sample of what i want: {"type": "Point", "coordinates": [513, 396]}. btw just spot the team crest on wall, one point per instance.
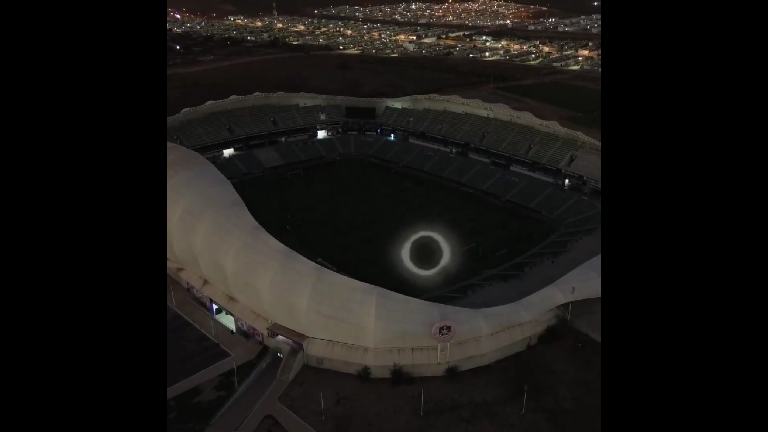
{"type": "Point", "coordinates": [444, 331]}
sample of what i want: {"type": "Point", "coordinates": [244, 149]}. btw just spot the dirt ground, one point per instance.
{"type": "Point", "coordinates": [370, 76]}
{"type": "Point", "coordinates": [343, 75]}
{"type": "Point", "coordinates": [563, 380]}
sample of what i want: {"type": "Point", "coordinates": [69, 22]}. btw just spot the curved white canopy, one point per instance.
{"type": "Point", "coordinates": [211, 233]}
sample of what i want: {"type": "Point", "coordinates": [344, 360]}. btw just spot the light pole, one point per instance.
{"type": "Point", "coordinates": [525, 398]}
{"type": "Point", "coordinates": [213, 329]}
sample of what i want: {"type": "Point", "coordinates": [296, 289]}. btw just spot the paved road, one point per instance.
{"type": "Point", "coordinates": [236, 413]}
{"type": "Point", "coordinates": [271, 406]}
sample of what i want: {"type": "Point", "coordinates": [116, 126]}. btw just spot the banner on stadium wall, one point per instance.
{"type": "Point", "coordinates": [202, 298]}
{"type": "Point", "coordinates": [248, 330]}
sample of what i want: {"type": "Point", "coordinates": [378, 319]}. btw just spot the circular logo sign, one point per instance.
{"type": "Point", "coordinates": [444, 331]}
{"type": "Point", "coordinates": [242, 324]}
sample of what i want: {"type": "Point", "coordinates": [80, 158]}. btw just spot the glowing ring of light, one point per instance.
{"type": "Point", "coordinates": [406, 253]}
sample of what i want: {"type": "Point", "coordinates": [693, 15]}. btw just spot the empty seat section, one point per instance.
{"type": "Point", "coordinates": [310, 115]}
{"type": "Point", "coordinates": [229, 168]}
{"type": "Point", "coordinates": [212, 128]}
{"type": "Point", "coordinates": [288, 153]}
{"type": "Point", "coordinates": [329, 147]}
{"type": "Point", "coordinates": [176, 131]}
{"type": "Point", "coordinates": [559, 155]}
{"type": "Point", "coordinates": [423, 157]}
{"type": "Point", "coordinates": [443, 163]}
{"type": "Point", "coordinates": [287, 116]}
{"type": "Point", "coordinates": [191, 136]}
{"type": "Point", "coordinates": [420, 119]}
{"type": "Point", "coordinates": [476, 127]}
{"type": "Point", "coordinates": [403, 118]}
{"type": "Point", "coordinates": [481, 177]}
{"type": "Point", "coordinates": [169, 136]}
{"type": "Point", "coordinates": [498, 135]}
{"type": "Point", "coordinates": [260, 117]}
{"type": "Point", "coordinates": [520, 141]}
{"type": "Point", "coordinates": [553, 201]}
{"type": "Point", "coordinates": [388, 116]}
{"type": "Point", "coordinates": [578, 208]}
{"type": "Point", "coordinates": [403, 152]}
{"type": "Point", "coordinates": [438, 121]}
{"type": "Point", "coordinates": [237, 120]}
{"type": "Point", "coordinates": [592, 220]}
{"type": "Point", "coordinates": [514, 145]}
{"type": "Point", "coordinates": [345, 143]}
{"type": "Point", "coordinates": [334, 113]}
{"type": "Point", "coordinates": [309, 151]}
{"type": "Point", "coordinates": [505, 184]}
{"type": "Point", "coordinates": [456, 125]}
{"type": "Point", "coordinates": [544, 146]}
{"type": "Point", "coordinates": [530, 192]}
{"type": "Point", "coordinates": [432, 119]}
{"type": "Point", "coordinates": [249, 162]}
{"type": "Point", "coordinates": [463, 169]}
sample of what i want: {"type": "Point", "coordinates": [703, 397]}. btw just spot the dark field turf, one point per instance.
{"type": "Point", "coordinates": [355, 215]}
{"type": "Point", "coordinates": [188, 349]}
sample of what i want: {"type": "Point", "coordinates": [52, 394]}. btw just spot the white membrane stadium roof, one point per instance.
{"type": "Point", "coordinates": [211, 233]}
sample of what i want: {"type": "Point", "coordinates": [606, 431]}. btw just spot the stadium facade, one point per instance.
{"type": "Point", "coordinates": [217, 249]}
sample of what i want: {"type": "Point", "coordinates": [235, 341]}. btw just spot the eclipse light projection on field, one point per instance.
{"type": "Point", "coordinates": [444, 248]}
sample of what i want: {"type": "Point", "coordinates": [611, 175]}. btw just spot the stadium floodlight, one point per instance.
{"type": "Point", "coordinates": [229, 152]}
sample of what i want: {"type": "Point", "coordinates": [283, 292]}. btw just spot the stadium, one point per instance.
{"type": "Point", "coordinates": [300, 216]}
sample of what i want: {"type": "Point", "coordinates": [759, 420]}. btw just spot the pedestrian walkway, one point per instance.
{"type": "Point", "coordinates": [234, 415]}
{"type": "Point", "coordinates": [241, 350]}
{"type": "Point", "coordinates": [260, 396]}
{"type": "Point", "coordinates": [261, 400]}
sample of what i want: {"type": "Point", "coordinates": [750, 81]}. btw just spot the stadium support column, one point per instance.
{"type": "Point", "coordinates": [274, 9]}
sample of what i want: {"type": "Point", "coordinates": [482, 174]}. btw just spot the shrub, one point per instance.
{"type": "Point", "coordinates": [451, 371]}
{"type": "Point", "coordinates": [399, 375]}
{"type": "Point", "coordinates": [364, 374]}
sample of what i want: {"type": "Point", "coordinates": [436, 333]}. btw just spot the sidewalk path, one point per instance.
{"type": "Point", "coordinates": [231, 419]}
{"type": "Point", "coordinates": [259, 401]}
{"type": "Point", "coordinates": [242, 350]}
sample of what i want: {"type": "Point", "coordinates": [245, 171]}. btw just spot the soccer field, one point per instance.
{"type": "Point", "coordinates": [355, 214]}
